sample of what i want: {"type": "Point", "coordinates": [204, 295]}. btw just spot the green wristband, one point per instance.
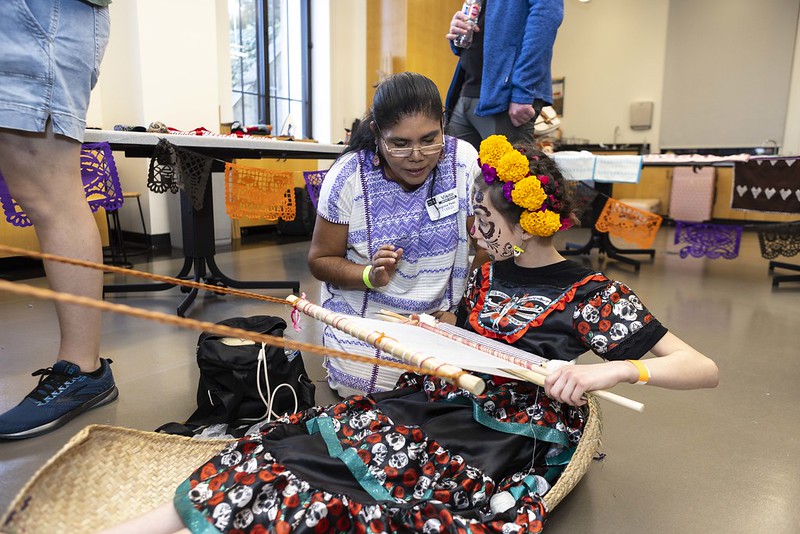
{"type": "Point", "coordinates": [365, 277]}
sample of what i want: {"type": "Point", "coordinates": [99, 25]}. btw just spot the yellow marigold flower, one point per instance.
{"type": "Point", "coordinates": [513, 167]}
{"type": "Point", "coordinates": [528, 193]}
{"type": "Point", "coordinates": [493, 148]}
{"type": "Point", "coordinates": [541, 223]}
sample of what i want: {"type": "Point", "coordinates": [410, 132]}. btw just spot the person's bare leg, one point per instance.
{"type": "Point", "coordinates": [42, 172]}
{"type": "Point", "coordinates": [164, 519]}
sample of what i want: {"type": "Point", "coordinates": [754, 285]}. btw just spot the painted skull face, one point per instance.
{"type": "Point", "coordinates": [378, 473]}
{"type": "Point", "coordinates": [379, 452]}
{"type": "Point", "coordinates": [242, 519]}
{"type": "Point", "coordinates": [461, 500]}
{"type": "Point", "coordinates": [398, 460]}
{"type": "Point", "coordinates": [222, 515]}
{"type": "Point", "coordinates": [265, 500]}
{"type": "Point", "coordinates": [491, 231]}
{"type": "Point", "coordinates": [590, 313]}
{"type": "Point", "coordinates": [432, 526]}
{"type": "Point", "coordinates": [422, 485]}
{"type": "Point", "coordinates": [618, 331]}
{"type": "Point", "coordinates": [250, 466]}
{"type": "Point", "coordinates": [625, 309]}
{"type": "Point", "coordinates": [200, 493]}
{"type": "Point", "coordinates": [315, 513]}
{"type": "Point", "coordinates": [396, 441]}
{"type": "Point", "coordinates": [290, 489]}
{"type": "Point", "coordinates": [599, 344]}
{"type": "Point", "coordinates": [417, 451]}
{"type": "Point", "coordinates": [231, 459]}
{"type": "Point", "coordinates": [361, 420]}
{"type": "Point", "coordinates": [240, 495]}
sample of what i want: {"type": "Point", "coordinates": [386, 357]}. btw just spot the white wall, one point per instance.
{"type": "Point", "coordinates": [613, 52]}
{"type": "Point", "coordinates": [339, 34]}
{"type": "Point", "coordinates": [791, 136]}
{"type": "Point", "coordinates": [162, 64]}
{"type": "Point", "coordinates": [610, 53]}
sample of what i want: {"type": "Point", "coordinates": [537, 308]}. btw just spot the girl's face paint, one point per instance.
{"type": "Point", "coordinates": [490, 229]}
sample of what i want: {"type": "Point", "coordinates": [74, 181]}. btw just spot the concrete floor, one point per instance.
{"type": "Point", "coordinates": [723, 460]}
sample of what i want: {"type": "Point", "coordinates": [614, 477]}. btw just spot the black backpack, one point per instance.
{"type": "Point", "coordinates": [230, 375]}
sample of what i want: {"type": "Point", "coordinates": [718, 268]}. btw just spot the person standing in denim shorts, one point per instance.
{"type": "Point", "coordinates": [51, 53]}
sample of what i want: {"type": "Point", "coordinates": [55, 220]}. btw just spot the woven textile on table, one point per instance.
{"type": "Point", "coordinates": [313, 181]}
{"type": "Point", "coordinates": [100, 184]}
{"type": "Point", "coordinates": [692, 194]}
{"type": "Point", "coordinates": [709, 240]}
{"type": "Point", "coordinates": [628, 223]}
{"type": "Point", "coordinates": [771, 185]}
{"type": "Point", "coordinates": [779, 240]}
{"type": "Point", "coordinates": [259, 193]}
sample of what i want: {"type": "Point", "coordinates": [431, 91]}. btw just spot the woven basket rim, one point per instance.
{"type": "Point", "coordinates": [16, 518]}
{"type": "Point", "coordinates": [581, 458]}
{"type": "Point", "coordinates": [127, 438]}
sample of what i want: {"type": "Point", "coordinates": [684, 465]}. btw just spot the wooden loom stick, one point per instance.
{"type": "Point", "coordinates": [204, 326]}
{"type": "Point", "coordinates": [426, 363]}
{"type": "Point", "coordinates": [532, 372]}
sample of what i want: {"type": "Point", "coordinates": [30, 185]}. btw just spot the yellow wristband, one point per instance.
{"type": "Point", "coordinates": [365, 277]}
{"type": "Point", "coordinates": [644, 372]}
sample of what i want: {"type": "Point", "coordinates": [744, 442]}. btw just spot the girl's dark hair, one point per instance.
{"type": "Point", "coordinates": [540, 164]}
{"type": "Point", "coordinates": [398, 96]}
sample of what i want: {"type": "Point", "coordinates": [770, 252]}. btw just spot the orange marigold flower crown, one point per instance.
{"type": "Point", "coordinates": [500, 162]}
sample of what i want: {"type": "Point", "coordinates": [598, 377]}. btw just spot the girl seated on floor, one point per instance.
{"type": "Point", "coordinates": [428, 456]}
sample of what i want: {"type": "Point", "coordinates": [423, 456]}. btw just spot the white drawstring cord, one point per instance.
{"type": "Point", "coordinates": [270, 398]}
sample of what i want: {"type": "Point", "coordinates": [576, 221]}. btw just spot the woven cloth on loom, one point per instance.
{"type": "Point", "coordinates": [771, 185]}
{"type": "Point", "coordinates": [100, 184]}
{"type": "Point", "coordinates": [628, 223]}
{"type": "Point", "coordinates": [259, 193]}
{"type": "Point", "coordinates": [692, 194]}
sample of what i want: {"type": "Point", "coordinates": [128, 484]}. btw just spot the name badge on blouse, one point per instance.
{"type": "Point", "coordinates": [442, 205]}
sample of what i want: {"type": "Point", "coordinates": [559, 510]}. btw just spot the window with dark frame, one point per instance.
{"type": "Point", "coordinates": [269, 43]}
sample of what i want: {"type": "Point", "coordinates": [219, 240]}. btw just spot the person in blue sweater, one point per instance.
{"type": "Point", "coordinates": [505, 95]}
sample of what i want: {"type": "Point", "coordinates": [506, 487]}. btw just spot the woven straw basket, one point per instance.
{"type": "Point", "coordinates": [106, 475]}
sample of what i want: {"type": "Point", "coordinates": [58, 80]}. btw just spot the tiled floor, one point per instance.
{"type": "Point", "coordinates": [723, 460]}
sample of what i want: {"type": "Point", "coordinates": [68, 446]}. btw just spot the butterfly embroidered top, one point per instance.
{"type": "Point", "coordinates": [558, 311]}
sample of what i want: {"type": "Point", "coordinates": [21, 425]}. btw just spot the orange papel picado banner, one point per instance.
{"type": "Point", "coordinates": [259, 193]}
{"type": "Point", "coordinates": [628, 223]}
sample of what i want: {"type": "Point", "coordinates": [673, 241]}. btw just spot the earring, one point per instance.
{"type": "Point", "coordinates": [376, 159]}
{"type": "Point", "coordinates": [518, 250]}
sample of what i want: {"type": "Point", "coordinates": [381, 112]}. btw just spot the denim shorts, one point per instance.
{"type": "Point", "coordinates": [50, 54]}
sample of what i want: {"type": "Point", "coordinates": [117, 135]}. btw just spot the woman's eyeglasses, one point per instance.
{"type": "Point", "coordinates": [404, 152]}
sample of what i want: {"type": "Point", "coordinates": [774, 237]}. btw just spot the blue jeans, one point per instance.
{"type": "Point", "coordinates": [50, 59]}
